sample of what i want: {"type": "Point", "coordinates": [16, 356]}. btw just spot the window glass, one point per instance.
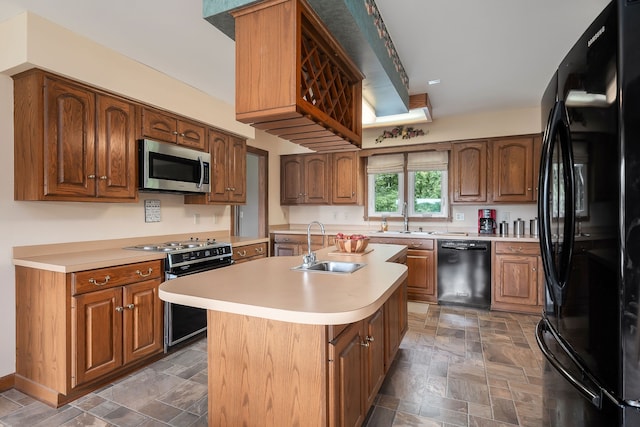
{"type": "Point", "coordinates": [385, 194]}
{"type": "Point", "coordinates": [428, 196]}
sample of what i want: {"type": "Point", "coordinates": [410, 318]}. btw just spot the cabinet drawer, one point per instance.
{"type": "Point", "coordinates": [298, 238]}
{"type": "Point", "coordinates": [93, 280]}
{"type": "Point", "coordinates": [249, 251]}
{"type": "Point", "coordinates": [517, 248]}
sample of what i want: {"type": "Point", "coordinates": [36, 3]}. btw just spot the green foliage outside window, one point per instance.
{"type": "Point", "coordinates": [386, 192]}
{"type": "Point", "coordinates": [427, 192]}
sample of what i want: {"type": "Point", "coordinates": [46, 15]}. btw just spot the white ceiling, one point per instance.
{"type": "Point", "coordinates": [488, 54]}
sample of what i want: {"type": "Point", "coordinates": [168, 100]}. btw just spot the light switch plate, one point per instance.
{"type": "Point", "coordinates": [152, 210]}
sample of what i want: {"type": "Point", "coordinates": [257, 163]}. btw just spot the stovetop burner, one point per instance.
{"type": "Point", "coordinates": [172, 246]}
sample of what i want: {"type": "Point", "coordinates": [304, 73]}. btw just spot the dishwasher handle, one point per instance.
{"type": "Point", "coordinates": [465, 246]}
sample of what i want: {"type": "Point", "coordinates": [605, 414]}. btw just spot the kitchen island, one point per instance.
{"type": "Point", "coordinates": [298, 348]}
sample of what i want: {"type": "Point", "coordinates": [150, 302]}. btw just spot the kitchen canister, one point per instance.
{"type": "Point", "coordinates": [504, 228]}
{"type": "Point", "coordinates": [533, 227]}
{"type": "Point", "coordinates": [518, 227]}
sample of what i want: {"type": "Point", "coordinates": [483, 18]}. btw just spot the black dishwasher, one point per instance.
{"type": "Point", "coordinates": [464, 273]}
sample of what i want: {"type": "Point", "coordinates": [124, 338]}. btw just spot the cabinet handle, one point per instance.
{"type": "Point", "coordinates": [131, 306]}
{"type": "Point", "coordinates": [243, 253]}
{"type": "Point", "coordinates": [369, 338]}
{"type": "Point", "coordinates": [353, 193]}
{"type": "Point", "coordinates": [119, 309]}
{"type": "Point", "coordinates": [529, 189]}
{"type": "Point", "coordinates": [365, 343]}
{"type": "Point", "coordinates": [182, 134]}
{"type": "Point", "coordinates": [259, 250]}
{"type": "Point", "coordinates": [141, 274]}
{"type": "Point", "coordinates": [92, 176]}
{"type": "Point", "coordinates": [175, 132]}
{"type": "Point", "coordinates": [94, 282]}
{"type": "Point", "coordinates": [416, 245]}
{"type": "Point", "coordinates": [103, 177]}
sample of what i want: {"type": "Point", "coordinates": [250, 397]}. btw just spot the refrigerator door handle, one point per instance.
{"type": "Point", "coordinates": [557, 126]}
{"type": "Point", "coordinates": [593, 394]}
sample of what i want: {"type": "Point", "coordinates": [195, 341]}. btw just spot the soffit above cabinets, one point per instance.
{"type": "Point", "coordinates": [359, 28]}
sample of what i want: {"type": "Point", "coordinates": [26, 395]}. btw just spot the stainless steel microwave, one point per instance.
{"type": "Point", "coordinates": [172, 168]}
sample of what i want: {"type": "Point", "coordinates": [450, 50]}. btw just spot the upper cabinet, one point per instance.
{"type": "Point", "coordinates": [72, 142]}
{"type": "Point", "coordinates": [167, 127]}
{"type": "Point", "coordinates": [512, 165]}
{"type": "Point", "coordinates": [347, 178]}
{"type": "Point", "coordinates": [495, 171]}
{"type": "Point", "coordinates": [469, 171]}
{"type": "Point", "coordinates": [293, 79]}
{"type": "Point", "coordinates": [228, 171]}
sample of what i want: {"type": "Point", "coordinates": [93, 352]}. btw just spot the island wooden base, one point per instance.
{"type": "Point", "coordinates": [266, 372]}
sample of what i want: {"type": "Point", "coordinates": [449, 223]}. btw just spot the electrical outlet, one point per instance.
{"type": "Point", "coordinates": [196, 218]}
{"type": "Point", "coordinates": [506, 216]}
{"type": "Point", "coordinates": [459, 216]}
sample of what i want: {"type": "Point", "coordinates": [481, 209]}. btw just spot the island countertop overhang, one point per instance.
{"type": "Point", "coordinates": [269, 289]}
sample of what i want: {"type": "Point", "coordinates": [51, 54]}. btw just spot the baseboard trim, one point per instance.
{"type": "Point", "coordinates": [7, 382]}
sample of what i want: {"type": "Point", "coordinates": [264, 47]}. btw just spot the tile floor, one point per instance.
{"type": "Point", "coordinates": [456, 367]}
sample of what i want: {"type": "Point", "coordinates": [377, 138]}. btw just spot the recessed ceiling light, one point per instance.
{"type": "Point", "coordinates": [433, 82]}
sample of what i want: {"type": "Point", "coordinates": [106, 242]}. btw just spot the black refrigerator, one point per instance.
{"type": "Point", "coordinates": [589, 211]}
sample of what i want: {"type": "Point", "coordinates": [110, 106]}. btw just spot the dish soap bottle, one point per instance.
{"type": "Point", "coordinates": [384, 225]}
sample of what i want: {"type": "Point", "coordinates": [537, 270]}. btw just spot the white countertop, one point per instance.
{"type": "Point", "coordinates": [268, 288]}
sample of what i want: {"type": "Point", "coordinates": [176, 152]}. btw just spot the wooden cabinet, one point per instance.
{"type": "Point", "coordinates": [168, 127]}
{"type": "Point", "coordinates": [72, 142]}
{"type": "Point", "coordinates": [500, 170]}
{"type": "Point", "coordinates": [512, 165]}
{"type": "Point", "coordinates": [244, 253]}
{"type": "Point", "coordinates": [347, 178]}
{"type": "Point", "coordinates": [228, 171]}
{"type": "Point", "coordinates": [296, 244]}
{"type": "Point", "coordinates": [305, 179]}
{"type": "Point", "coordinates": [469, 171]}
{"type": "Point", "coordinates": [518, 280]}
{"type": "Point", "coordinates": [312, 89]}
{"type": "Point", "coordinates": [359, 358]}
{"type": "Point", "coordinates": [86, 328]}
{"type": "Point", "coordinates": [421, 262]}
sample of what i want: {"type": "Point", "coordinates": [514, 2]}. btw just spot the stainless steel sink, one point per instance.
{"type": "Point", "coordinates": [331, 267]}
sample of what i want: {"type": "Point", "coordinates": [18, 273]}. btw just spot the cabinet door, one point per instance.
{"type": "Point", "coordinates": [191, 134]}
{"type": "Point", "coordinates": [512, 170]}
{"type": "Point", "coordinates": [345, 172]}
{"type": "Point", "coordinates": [396, 323]}
{"type": "Point", "coordinates": [286, 249]}
{"type": "Point", "coordinates": [469, 167]}
{"type": "Point", "coordinates": [142, 328]}
{"type": "Point", "coordinates": [346, 378]}
{"type": "Point", "coordinates": [219, 148]}
{"type": "Point", "coordinates": [316, 178]}
{"type": "Point", "coordinates": [96, 335]}
{"type": "Point", "coordinates": [291, 184]}
{"type": "Point", "coordinates": [537, 153]}
{"type": "Point", "coordinates": [421, 282]}
{"type": "Point", "coordinates": [158, 125]}
{"type": "Point", "coordinates": [237, 170]}
{"type": "Point", "coordinates": [116, 156]}
{"type": "Point", "coordinates": [516, 280]}
{"type": "Point", "coordinates": [374, 356]}
{"type": "Point", "coordinates": [69, 162]}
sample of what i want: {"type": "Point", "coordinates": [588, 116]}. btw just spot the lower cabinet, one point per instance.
{"type": "Point", "coordinates": [421, 261]}
{"type": "Point", "coordinates": [244, 253]}
{"type": "Point", "coordinates": [295, 244]}
{"type": "Point", "coordinates": [78, 330]}
{"type": "Point", "coordinates": [518, 279]}
{"type": "Point", "coordinates": [359, 358]}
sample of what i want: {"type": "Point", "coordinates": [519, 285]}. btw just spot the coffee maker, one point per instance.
{"type": "Point", "coordinates": [487, 221]}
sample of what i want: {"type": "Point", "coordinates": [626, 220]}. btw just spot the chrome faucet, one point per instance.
{"type": "Point", "coordinates": [405, 213]}
{"type": "Point", "coordinates": [310, 258]}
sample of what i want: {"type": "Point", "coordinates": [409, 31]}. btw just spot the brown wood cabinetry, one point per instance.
{"type": "Point", "coordinates": [421, 262]}
{"type": "Point", "coordinates": [168, 127]}
{"type": "Point", "coordinates": [512, 165]}
{"type": "Point", "coordinates": [312, 89]}
{"type": "Point", "coordinates": [500, 170]}
{"type": "Point", "coordinates": [85, 328]}
{"type": "Point", "coordinates": [72, 142]}
{"type": "Point", "coordinates": [296, 244]}
{"type": "Point", "coordinates": [347, 178]}
{"type": "Point", "coordinates": [228, 171]}
{"type": "Point", "coordinates": [305, 179]}
{"type": "Point", "coordinates": [469, 171]}
{"type": "Point", "coordinates": [518, 280]}
{"type": "Point", "coordinates": [244, 253]}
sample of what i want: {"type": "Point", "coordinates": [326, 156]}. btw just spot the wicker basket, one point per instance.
{"type": "Point", "coordinates": [352, 246]}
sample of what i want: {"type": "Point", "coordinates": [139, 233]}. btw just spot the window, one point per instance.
{"type": "Point", "coordinates": [426, 192]}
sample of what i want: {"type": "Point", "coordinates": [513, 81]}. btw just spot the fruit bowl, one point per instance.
{"type": "Point", "coordinates": [352, 244]}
